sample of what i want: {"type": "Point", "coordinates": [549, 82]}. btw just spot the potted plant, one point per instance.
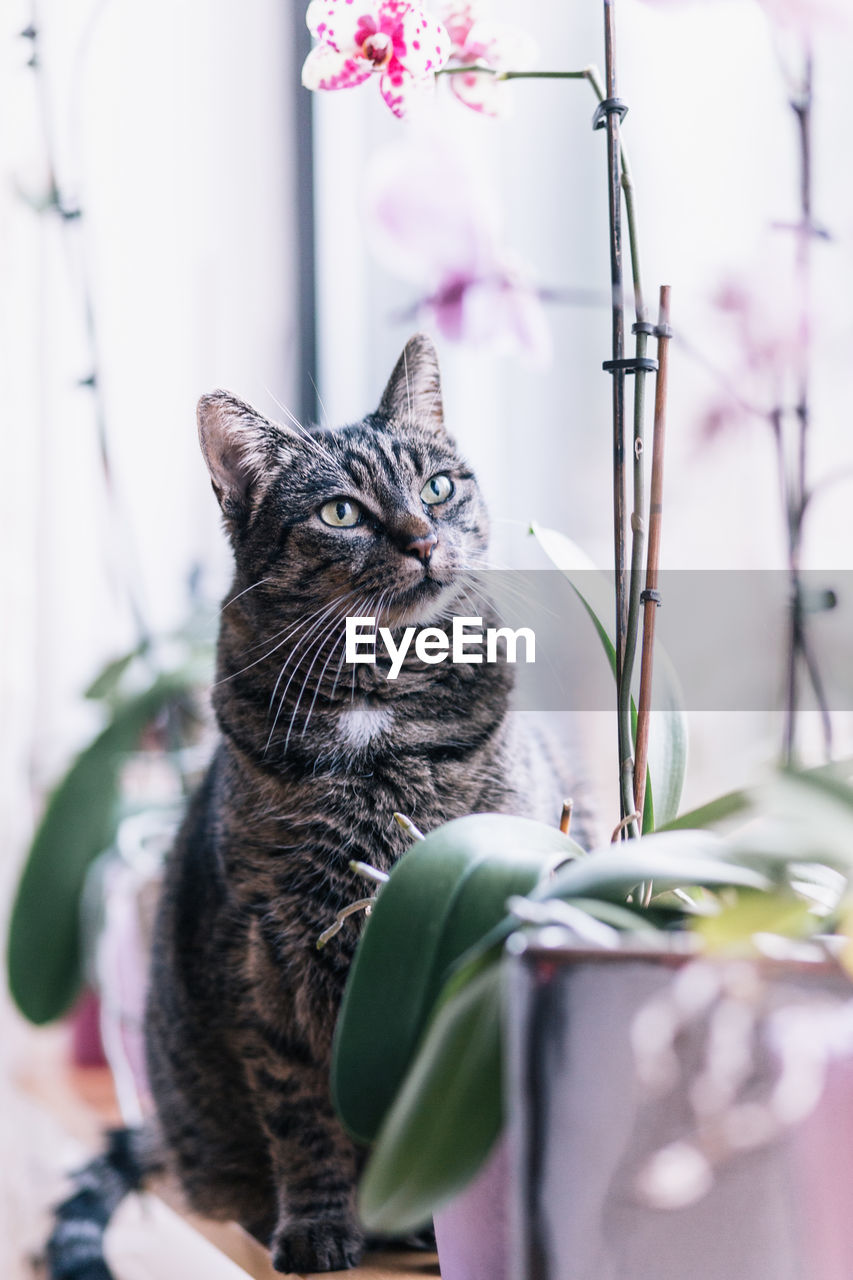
{"type": "Point", "coordinates": [760, 890]}
{"type": "Point", "coordinates": [119, 799]}
{"type": "Point", "coordinates": [418, 1057]}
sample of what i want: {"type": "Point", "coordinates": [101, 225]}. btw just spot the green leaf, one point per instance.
{"type": "Point", "coordinates": [668, 725]}
{"type": "Point", "coordinates": [105, 686]}
{"type": "Point", "coordinates": [447, 1115]}
{"type": "Point", "coordinates": [618, 917]}
{"type": "Point", "coordinates": [734, 928]}
{"type": "Point", "coordinates": [44, 951]}
{"type": "Point", "coordinates": [797, 816]}
{"type": "Point", "coordinates": [444, 896]}
{"type": "Point", "coordinates": [673, 860]}
{"type": "Point", "coordinates": [722, 807]}
{"type": "Point", "coordinates": [668, 742]}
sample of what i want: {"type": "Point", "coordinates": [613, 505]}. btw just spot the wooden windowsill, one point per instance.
{"type": "Point", "coordinates": [157, 1223]}
{"type": "Point", "coordinates": [153, 1236]}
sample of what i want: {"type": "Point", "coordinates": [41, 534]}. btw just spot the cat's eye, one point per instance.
{"type": "Point", "coordinates": [340, 513]}
{"type": "Point", "coordinates": [438, 489]}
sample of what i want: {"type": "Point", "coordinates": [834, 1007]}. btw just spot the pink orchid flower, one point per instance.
{"type": "Point", "coordinates": [359, 38]}
{"type": "Point", "coordinates": [474, 39]}
{"type": "Point", "coordinates": [432, 223]}
{"type": "Point", "coordinates": [804, 16]}
{"type": "Point", "coordinates": [759, 341]}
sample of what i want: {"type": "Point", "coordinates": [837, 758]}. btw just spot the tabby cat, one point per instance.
{"type": "Point", "coordinates": [384, 519]}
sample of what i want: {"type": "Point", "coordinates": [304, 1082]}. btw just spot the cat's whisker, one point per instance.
{"type": "Point", "coordinates": [244, 592]}
{"type": "Point", "coordinates": [320, 622]}
{"type": "Point", "coordinates": [325, 631]}
{"type": "Point", "coordinates": [408, 383]}
{"type": "Point", "coordinates": [291, 630]}
{"type": "Point", "coordinates": [300, 427]}
{"type": "Point", "coordinates": [337, 674]}
{"type": "Point", "coordinates": [479, 600]}
{"type": "Point", "coordinates": [319, 401]}
{"type": "Point", "coordinates": [332, 652]}
{"type": "Point", "coordinates": [318, 650]}
{"type": "Point", "coordinates": [488, 602]}
{"type": "Point", "coordinates": [512, 591]}
{"type": "Point", "coordinates": [377, 607]}
{"type": "Point", "coordinates": [323, 613]}
{"type": "Point", "coordinates": [367, 610]}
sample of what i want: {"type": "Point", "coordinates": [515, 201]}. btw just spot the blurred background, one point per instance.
{"type": "Point", "coordinates": [177, 214]}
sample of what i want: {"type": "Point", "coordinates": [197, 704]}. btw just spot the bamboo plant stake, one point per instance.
{"type": "Point", "coordinates": [650, 599]}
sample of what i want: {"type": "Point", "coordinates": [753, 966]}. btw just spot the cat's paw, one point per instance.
{"type": "Point", "coordinates": [309, 1246]}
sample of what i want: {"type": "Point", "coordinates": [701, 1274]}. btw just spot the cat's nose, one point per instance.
{"type": "Point", "coordinates": [421, 547]}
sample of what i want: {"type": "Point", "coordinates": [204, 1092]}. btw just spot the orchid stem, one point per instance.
{"type": "Point", "coordinates": [627, 592]}
{"type": "Point", "coordinates": [795, 479]}
{"type": "Point", "coordinates": [512, 75]}
{"type": "Point", "coordinates": [638, 529]}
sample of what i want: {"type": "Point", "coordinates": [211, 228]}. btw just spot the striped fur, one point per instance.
{"type": "Point", "coordinates": [314, 758]}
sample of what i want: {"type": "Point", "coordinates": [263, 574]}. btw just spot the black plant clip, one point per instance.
{"type": "Point", "coordinates": [632, 364]}
{"type": "Point", "coordinates": [609, 106]}
{"type": "Point", "coordinates": [650, 597]}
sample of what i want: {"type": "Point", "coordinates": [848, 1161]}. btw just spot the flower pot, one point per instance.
{"type": "Point", "coordinates": [118, 908]}
{"type": "Point", "coordinates": [471, 1231]}
{"type": "Point", "coordinates": [616, 1176]}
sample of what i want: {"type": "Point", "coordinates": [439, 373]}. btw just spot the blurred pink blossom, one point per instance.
{"type": "Point", "coordinates": [432, 223]}
{"type": "Point", "coordinates": [474, 39]}
{"type": "Point", "coordinates": [760, 344]}
{"type": "Point", "coordinates": [803, 16]}
{"type": "Point", "coordinates": [800, 16]}
{"type": "Point", "coordinates": [359, 38]}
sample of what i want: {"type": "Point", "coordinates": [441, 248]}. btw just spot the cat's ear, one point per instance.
{"type": "Point", "coordinates": [240, 448]}
{"type": "Point", "coordinates": [413, 392]}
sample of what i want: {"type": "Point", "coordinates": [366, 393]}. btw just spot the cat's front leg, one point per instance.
{"type": "Point", "coordinates": [315, 1166]}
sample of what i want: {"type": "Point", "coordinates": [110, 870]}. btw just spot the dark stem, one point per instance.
{"type": "Point", "coordinates": [819, 691]}
{"type": "Point", "coordinates": [614, 175]}
{"type": "Point", "coordinates": [795, 479]}
{"type": "Point", "coordinates": [511, 75]}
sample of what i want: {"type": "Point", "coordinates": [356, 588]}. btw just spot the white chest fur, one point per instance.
{"type": "Point", "coordinates": [359, 725]}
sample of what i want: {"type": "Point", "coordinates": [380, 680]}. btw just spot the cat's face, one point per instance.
{"type": "Point", "coordinates": [382, 518]}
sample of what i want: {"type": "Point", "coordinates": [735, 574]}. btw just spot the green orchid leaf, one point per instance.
{"type": "Point", "coordinates": [107, 683]}
{"type": "Point", "coordinates": [733, 929]}
{"type": "Point", "coordinates": [668, 742]}
{"type": "Point", "coordinates": [795, 817]}
{"type": "Point", "coordinates": [673, 860]}
{"type": "Point", "coordinates": [617, 916]}
{"type": "Point", "coordinates": [730, 805]}
{"type": "Point", "coordinates": [833, 780]}
{"type": "Point", "coordinates": [44, 946]}
{"type": "Point", "coordinates": [444, 896]}
{"type": "Point", "coordinates": [447, 1114]}
{"type": "Point", "coordinates": [667, 725]}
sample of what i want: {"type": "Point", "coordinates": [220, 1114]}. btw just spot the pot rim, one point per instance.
{"type": "Point", "coordinates": [553, 943]}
